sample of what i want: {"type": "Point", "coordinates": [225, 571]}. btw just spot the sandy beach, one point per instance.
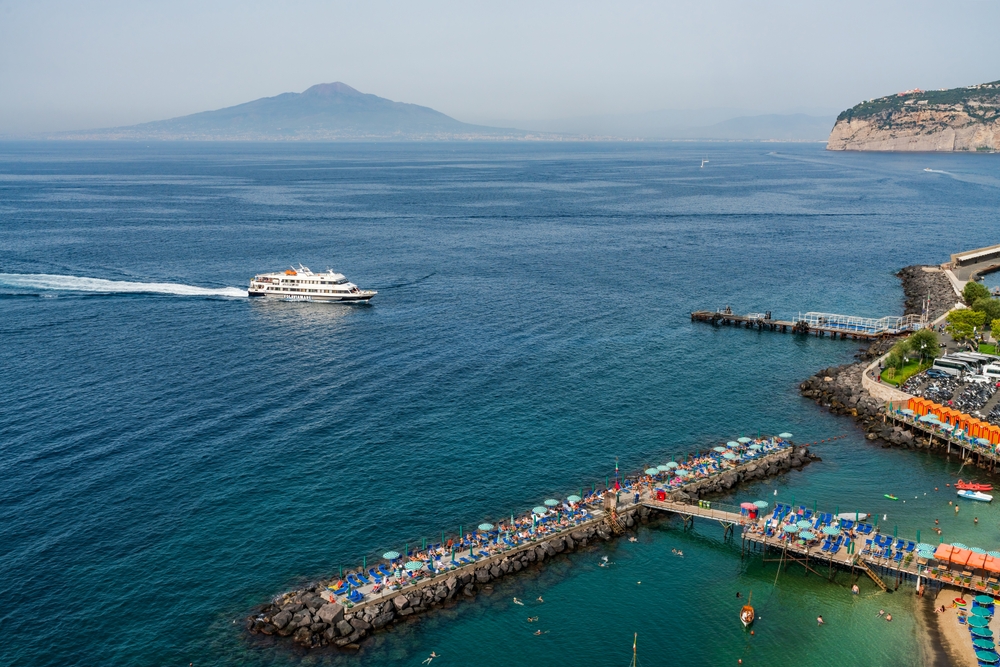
{"type": "Point", "coordinates": [948, 641]}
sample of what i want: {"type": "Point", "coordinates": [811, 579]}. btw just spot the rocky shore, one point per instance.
{"type": "Point", "coordinates": [920, 282]}
{"type": "Point", "coordinates": [311, 620]}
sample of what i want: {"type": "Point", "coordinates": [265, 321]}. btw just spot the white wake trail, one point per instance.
{"type": "Point", "coordinates": [44, 281]}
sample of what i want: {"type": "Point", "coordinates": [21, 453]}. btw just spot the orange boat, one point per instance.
{"type": "Point", "coordinates": [972, 486]}
{"type": "Point", "coordinates": [746, 613]}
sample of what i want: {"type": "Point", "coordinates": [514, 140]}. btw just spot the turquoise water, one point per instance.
{"type": "Point", "coordinates": [172, 458]}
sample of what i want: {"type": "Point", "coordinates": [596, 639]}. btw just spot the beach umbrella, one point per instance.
{"type": "Point", "coordinates": [925, 554]}
{"type": "Point", "coordinates": [987, 657]}
{"type": "Point", "coordinates": [486, 526]}
{"type": "Point", "coordinates": [761, 504]}
{"type": "Point", "coordinates": [977, 622]}
{"type": "Point", "coordinates": [995, 554]}
{"type": "Point", "coordinates": [983, 644]}
{"type": "Point", "coordinates": [928, 418]}
{"type": "Point", "coordinates": [807, 535]}
{"type": "Point", "coordinates": [784, 435]}
{"type": "Point", "coordinates": [550, 502]}
{"type": "Point", "coordinates": [790, 528]}
{"type": "Point", "coordinates": [981, 611]}
{"type": "Point", "coordinates": [413, 565]}
{"type": "Point", "coordinates": [984, 600]}
{"type": "Point", "coordinates": [390, 555]}
{"type": "Point", "coordinates": [718, 449]}
{"type": "Point", "coordinates": [673, 464]}
{"type": "Point", "coordinates": [683, 473]}
{"type": "Point", "coordinates": [652, 471]}
{"type": "Point", "coordinates": [977, 550]}
{"type": "Point", "coordinates": [662, 467]}
{"type": "Point", "coordinates": [831, 530]}
{"type": "Point", "coordinates": [732, 444]}
{"type": "Point", "coordinates": [755, 447]}
{"type": "Point", "coordinates": [924, 545]}
{"type": "Point", "coordinates": [540, 510]}
{"type": "Point", "coordinates": [908, 412]}
{"type": "Point", "coordinates": [803, 523]}
{"type": "Point", "coordinates": [729, 456]}
{"type": "Point", "coordinates": [959, 545]}
{"type": "Point", "coordinates": [574, 498]}
{"type": "Point", "coordinates": [981, 633]}
{"type": "Point", "coordinates": [982, 441]}
{"type": "Point", "coordinates": [744, 440]}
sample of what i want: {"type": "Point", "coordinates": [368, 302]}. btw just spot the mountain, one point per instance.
{"type": "Point", "coordinates": [328, 111]}
{"type": "Point", "coordinates": [956, 119]}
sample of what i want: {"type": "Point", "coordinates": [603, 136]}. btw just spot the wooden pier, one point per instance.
{"type": "Point", "coordinates": [984, 457]}
{"type": "Point", "coordinates": [817, 324]}
{"type": "Point", "coordinates": [884, 572]}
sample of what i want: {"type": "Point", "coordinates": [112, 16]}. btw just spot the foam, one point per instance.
{"type": "Point", "coordinates": [44, 281]}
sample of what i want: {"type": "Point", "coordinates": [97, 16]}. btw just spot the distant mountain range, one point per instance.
{"type": "Point", "coordinates": [335, 111]}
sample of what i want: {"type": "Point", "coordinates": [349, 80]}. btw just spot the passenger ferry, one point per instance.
{"type": "Point", "coordinates": [301, 284]}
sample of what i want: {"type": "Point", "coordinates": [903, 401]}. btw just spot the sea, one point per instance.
{"type": "Point", "coordinates": [173, 453]}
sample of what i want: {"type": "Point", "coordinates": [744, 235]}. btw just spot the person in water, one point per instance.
{"type": "Point", "coordinates": [888, 617]}
{"type": "Point", "coordinates": [540, 599]}
{"type": "Point", "coordinates": [428, 660]}
{"type": "Point", "coordinates": [975, 520]}
{"type": "Point", "coordinates": [819, 620]}
{"type": "Point", "coordinates": [855, 590]}
{"type": "Point", "coordinates": [738, 595]}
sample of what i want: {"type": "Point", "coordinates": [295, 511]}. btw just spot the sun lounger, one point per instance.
{"type": "Point", "coordinates": [354, 581]}
{"type": "Point", "coordinates": [375, 576]}
{"type": "Point", "coordinates": [355, 597]}
{"type": "Point", "coordinates": [365, 580]}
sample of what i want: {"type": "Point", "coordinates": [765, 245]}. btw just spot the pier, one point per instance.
{"type": "Point", "coordinates": [816, 324]}
{"type": "Point", "coordinates": [972, 438]}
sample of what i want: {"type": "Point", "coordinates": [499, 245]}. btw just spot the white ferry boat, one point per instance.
{"type": "Point", "coordinates": [301, 284]}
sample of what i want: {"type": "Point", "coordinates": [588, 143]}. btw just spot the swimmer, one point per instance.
{"type": "Point", "coordinates": [819, 620]}
{"type": "Point", "coordinates": [738, 595]}
{"type": "Point", "coordinates": [881, 612]}
{"type": "Point", "coordinates": [638, 583]}
{"type": "Point", "coordinates": [855, 590]}
{"type": "Point", "coordinates": [888, 617]}
{"type": "Point", "coordinates": [680, 553]}
{"type": "Point", "coordinates": [532, 619]}
{"type": "Point", "coordinates": [428, 660]}
{"type": "Point", "coordinates": [516, 601]}
{"type": "Point", "coordinates": [936, 522]}
{"type": "Point", "coordinates": [632, 539]}
{"type": "Point", "coordinates": [540, 599]}
{"type": "Point", "coordinates": [956, 509]}
{"type": "Point", "coordinates": [539, 632]}
{"type": "Point", "coordinates": [975, 520]}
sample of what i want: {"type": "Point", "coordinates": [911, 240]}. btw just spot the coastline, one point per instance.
{"type": "Point", "coordinates": [947, 644]}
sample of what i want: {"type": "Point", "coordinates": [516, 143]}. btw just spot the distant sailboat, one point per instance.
{"type": "Point", "coordinates": [703, 163]}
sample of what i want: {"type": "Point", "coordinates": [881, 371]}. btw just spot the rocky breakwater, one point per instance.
{"type": "Point", "coordinates": [772, 465]}
{"type": "Point", "coordinates": [310, 620]}
{"type": "Point", "coordinates": [920, 282]}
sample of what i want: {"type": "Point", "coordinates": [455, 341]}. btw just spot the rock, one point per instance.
{"type": "Point", "coordinates": [302, 636]}
{"type": "Point", "coordinates": [330, 634]}
{"type": "Point", "coordinates": [360, 624]}
{"type": "Point", "coordinates": [469, 590]}
{"type": "Point", "coordinates": [344, 628]}
{"type": "Point", "coordinates": [400, 602]}
{"type": "Point", "coordinates": [330, 613]}
{"type": "Point", "coordinates": [570, 544]}
{"type": "Point", "coordinates": [451, 583]}
{"type": "Point", "coordinates": [495, 572]}
{"type": "Point", "coordinates": [355, 636]}
{"type": "Point", "coordinates": [302, 618]}
{"type": "Point", "coordinates": [629, 521]}
{"type": "Point", "coordinates": [281, 619]}
{"type": "Point", "coordinates": [383, 620]}
{"type": "Point", "coordinates": [558, 545]}
{"type": "Point", "coordinates": [317, 628]}
{"type": "Point", "coordinates": [293, 607]}
{"type": "Point", "coordinates": [517, 566]}
{"type": "Point", "coordinates": [482, 575]}
{"type": "Point", "coordinates": [267, 629]}
{"type": "Point", "coordinates": [314, 602]}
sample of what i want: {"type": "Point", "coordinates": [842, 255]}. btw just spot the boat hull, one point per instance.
{"type": "Point", "coordinates": [976, 495]}
{"type": "Point", "coordinates": [316, 298]}
{"type": "Point", "coordinates": [972, 486]}
{"type": "Point", "coordinates": [746, 615]}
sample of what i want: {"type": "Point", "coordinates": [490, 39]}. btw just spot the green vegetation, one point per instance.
{"type": "Point", "coordinates": [989, 93]}
{"type": "Point", "coordinates": [897, 376]}
{"type": "Point", "coordinates": [988, 307]}
{"type": "Point", "coordinates": [974, 291]}
{"type": "Point", "coordinates": [995, 329]}
{"type": "Point", "coordinates": [989, 348]}
{"type": "Point", "coordinates": [962, 324]}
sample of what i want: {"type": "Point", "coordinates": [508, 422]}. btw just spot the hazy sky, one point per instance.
{"type": "Point", "coordinates": [75, 65]}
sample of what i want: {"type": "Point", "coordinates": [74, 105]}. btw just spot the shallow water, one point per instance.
{"type": "Point", "coordinates": [172, 457]}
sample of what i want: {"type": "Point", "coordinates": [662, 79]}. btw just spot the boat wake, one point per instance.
{"type": "Point", "coordinates": [49, 282]}
{"type": "Point", "coordinates": [938, 171]}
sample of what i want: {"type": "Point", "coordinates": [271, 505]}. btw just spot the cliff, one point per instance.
{"type": "Point", "coordinates": [958, 119]}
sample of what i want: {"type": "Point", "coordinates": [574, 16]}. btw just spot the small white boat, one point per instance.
{"type": "Point", "coordinates": [976, 495]}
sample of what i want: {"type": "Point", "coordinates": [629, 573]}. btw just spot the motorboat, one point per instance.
{"type": "Point", "coordinates": [975, 495]}
{"type": "Point", "coordinates": [973, 486]}
{"type": "Point", "coordinates": [746, 613]}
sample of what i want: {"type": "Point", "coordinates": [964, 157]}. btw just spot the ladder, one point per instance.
{"type": "Point", "coordinates": [615, 523]}
{"type": "Point", "coordinates": [867, 570]}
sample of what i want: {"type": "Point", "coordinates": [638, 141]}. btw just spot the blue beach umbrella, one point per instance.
{"type": "Point", "coordinates": [744, 440]}
{"type": "Point", "coordinates": [982, 441]}
{"type": "Point", "coordinates": [977, 550]}
{"type": "Point", "coordinates": [959, 545]}
{"type": "Point", "coordinates": [784, 435]}
{"type": "Point", "coordinates": [803, 523]}
{"type": "Point", "coordinates": [550, 502]}
{"type": "Point", "coordinates": [831, 530]}
{"type": "Point", "coordinates": [718, 449]}
{"type": "Point", "coordinates": [908, 412]}
{"type": "Point", "coordinates": [540, 510]}
{"type": "Point", "coordinates": [663, 467]}
{"type": "Point", "coordinates": [980, 611]}
{"type": "Point", "coordinates": [981, 633]}
{"type": "Point", "coordinates": [390, 555]}
{"type": "Point", "coordinates": [761, 504]}
{"type": "Point", "coordinates": [673, 464]}
{"type": "Point", "coordinates": [486, 526]}
{"type": "Point", "coordinates": [987, 656]}
{"type": "Point", "coordinates": [983, 644]}
{"type": "Point", "coordinates": [729, 456]}
{"type": "Point", "coordinates": [807, 535]}
{"type": "Point", "coordinates": [977, 622]}
{"type": "Point", "coordinates": [652, 471]}
{"type": "Point", "coordinates": [755, 447]}
{"type": "Point", "coordinates": [731, 444]}
{"type": "Point", "coordinates": [995, 554]}
{"type": "Point", "coordinates": [413, 565]}
{"type": "Point", "coordinates": [924, 545]}
{"type": "Point", "coordinates": [984, 599]}
{"type": "Point", "coordinates": [574, 498]}
{"type": "Point", "coordinates": [791, 528]}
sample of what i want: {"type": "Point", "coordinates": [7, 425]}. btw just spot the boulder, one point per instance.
{"type": "Point", "coordinates": [314, 602]}
{"type": "Point", "coordinates": [316, 628]}
{"type": "Point", "coordinates": [482, 575]}
{"type": "Point", "coordinates": [383, 620]}
{"type": "Point", "coordinates": [330, 613]}
{"type": "Point", "coordinates": [517, 566]}
{"type": "Point", "coordinates": [302, 618]}
{"type": "Point", "coordinates": [539, 553]}
{"type": "Point", "coordinates": [360, 624]}
{"type": "Point", "coordinates": [570, 544]}
{"type": "Point", "coordinates": [330, 634]}
{"type": "Point", "coordinates": [469, 590]}
{"type": "Point", "coordinates": [495, 572]}
{"type": "Point", "coordinates": [344, 628]}
{"type": "Point", "coordinates": [451, 583]}
{"type": "Point", "coordinates": [281, 619]}
{"type": "Point", "coordinates": [302, 636]}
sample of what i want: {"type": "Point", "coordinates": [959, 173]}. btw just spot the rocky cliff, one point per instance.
{"type": "Point", "coordinates": [958, 119]}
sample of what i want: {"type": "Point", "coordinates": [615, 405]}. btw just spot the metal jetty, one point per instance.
{"type": "Point", "coordinates": [818, 324]}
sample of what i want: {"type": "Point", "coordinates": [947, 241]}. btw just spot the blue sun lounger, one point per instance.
{"type": "Point", "coordinates": [354, 581]}
{"type": "Point", "coordinates": [386, 572]}
{"type": "Point", "coordinates": [373, 573]}
{"type": "Point", "coordinates": [364, 579]}
{"type": "Point", "coordinates": [355, 597]}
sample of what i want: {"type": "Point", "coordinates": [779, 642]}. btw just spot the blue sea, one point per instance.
{"type": "Point", "coordinates": [173, 453]}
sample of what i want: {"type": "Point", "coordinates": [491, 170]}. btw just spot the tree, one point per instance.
{"type": "Point", "coordinates": [995, 329]}
{"type": "Point", "coordinates": [963, 322]}
{"type": "Point", "coordinates": [924, 343]}
{"type": "Point", "coordinates": [991, 307]}
{"type": "Point", "coordinates": [974, 291]}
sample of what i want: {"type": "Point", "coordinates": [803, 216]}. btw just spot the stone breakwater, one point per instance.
{"type": "Point", "coordinates": [311, 620]}
{"type": "Point", "coordinates": [920, 282]}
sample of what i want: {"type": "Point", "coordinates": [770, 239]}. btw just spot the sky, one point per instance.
{"type": "Point", "coordinates": [79, 65]}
